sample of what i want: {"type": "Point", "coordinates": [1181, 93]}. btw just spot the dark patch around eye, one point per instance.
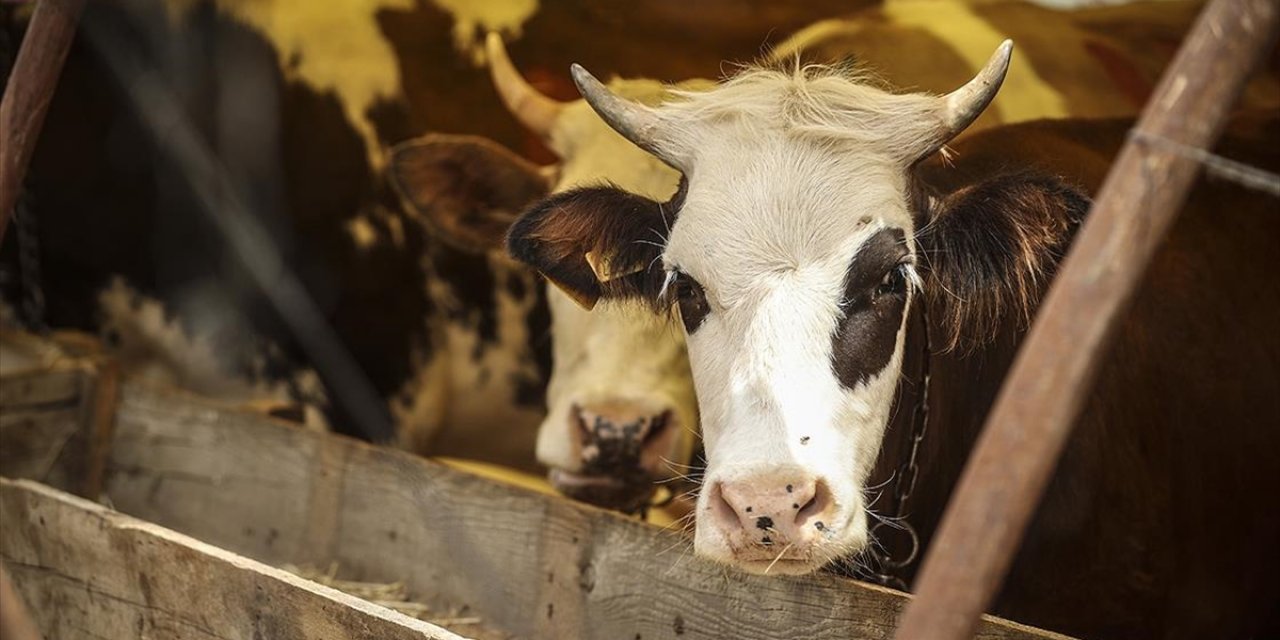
{"type": "Point", "coordinates": [865, 336]}
{"type": "Point", "coordinates": [692, 300]}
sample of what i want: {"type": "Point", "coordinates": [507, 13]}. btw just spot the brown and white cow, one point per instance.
{"type": "Point", "coordinates": [818, 214]}
{"type": "Point", "coordinates": [446, 338]}
{"type": "Point", "coordinates": [621, 413]}
{"type": "Point", "coordinates": [617, 366]}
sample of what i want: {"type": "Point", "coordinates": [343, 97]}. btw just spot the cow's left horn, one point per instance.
{"type": "Point", "coordinates": [636, 122]}
{"type": "Point", "coordinates": [962, 106]}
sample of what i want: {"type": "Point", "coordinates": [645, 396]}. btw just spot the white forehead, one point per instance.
{"type": "Point", "coordinates": [825, 105]}
{"type": "Point", "coordinates": [776, 205]}
{"type": "Point", "coordinates": [789, 170]}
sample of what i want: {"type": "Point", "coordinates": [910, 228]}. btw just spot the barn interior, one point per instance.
{"type": "Point", "coordinates": [269, 367]}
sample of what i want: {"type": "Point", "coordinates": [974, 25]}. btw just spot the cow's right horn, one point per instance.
{"type": "Point", "coordinates": [958, 109]}
{"type": "Point", "coordinates": [535, 111]}
{"type": "Point", "coordinates": [636, 122]}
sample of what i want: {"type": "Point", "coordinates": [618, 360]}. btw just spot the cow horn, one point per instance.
{"type": "Point", "coordinates": [962, 106]}
{"type": "Point", "coordinates": [535, 111]}
{"type": "Point", "coordinates": [636, 122]}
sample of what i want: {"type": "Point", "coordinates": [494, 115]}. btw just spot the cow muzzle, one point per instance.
{"type": "Point", "coordinates": [779, 520]}
{"type": "Point", "coordinates": [622, 449]}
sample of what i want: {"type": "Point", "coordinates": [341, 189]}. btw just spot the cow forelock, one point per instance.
{"type": "Point", "coordinates": [791, 235]}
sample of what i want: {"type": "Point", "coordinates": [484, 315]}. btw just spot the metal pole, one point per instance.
{"type": "Point", "coordinates": [1035, 411]}
{"type": "Point", "coordinates": [29, 91]}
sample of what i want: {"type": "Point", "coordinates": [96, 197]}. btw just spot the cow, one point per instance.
{"type": "Point", "coordinates": [621, 415]}
{"type": "Point", "coordinates": [447, 339]}
{"type": "Point", "coordinates": [826, 244]}
{"type": "Point", "coordinates": [630, 363]}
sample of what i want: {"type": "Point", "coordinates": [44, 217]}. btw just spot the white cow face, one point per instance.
{"type": "Point", "coordinates": [796, 349]}
{"type": "Point", "coordinates": [791, 259]}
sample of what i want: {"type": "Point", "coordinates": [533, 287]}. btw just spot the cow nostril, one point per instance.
{"type": "Point", "coordinates": [807, 508]}
{"type": "Point", "coordinates": [817, 504]}
{"type": "Point", "coordinates": [657, 427]}
{"type": "Point", "coordinates": [722, 510]}
{"type": "Point", "coordinates": [580, 425]}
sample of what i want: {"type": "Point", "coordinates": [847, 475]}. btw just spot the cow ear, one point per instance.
{"type": "Point", "coordinates": [599, 242]}
{"type": "Point", "coordinates": [990, 250]}
{"type": "Point", "coordinates": [466, 190]}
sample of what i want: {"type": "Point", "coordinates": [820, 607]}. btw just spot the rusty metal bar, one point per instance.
{"type": "Point", "coordinates": [29, 91]}
{"type": "Point", "coordinates": [1035, 411]}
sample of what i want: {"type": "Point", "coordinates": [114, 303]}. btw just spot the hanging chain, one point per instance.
{"type": "Point", "coordinates": [31, 291]}
{"type": "Point", "coordinates": [904, 483]}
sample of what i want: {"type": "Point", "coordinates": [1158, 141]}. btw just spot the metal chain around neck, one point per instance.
{"type": "Point", "coordinates": [888, 568]}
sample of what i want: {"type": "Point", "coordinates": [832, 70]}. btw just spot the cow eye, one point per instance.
{"type": "Point", "coordinates": [692, 301]}
{"type": "Point", "coordinates": [894, 282]}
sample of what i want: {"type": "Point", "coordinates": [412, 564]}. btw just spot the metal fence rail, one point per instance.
{"type": "Point", "coordinates": [29, 91]}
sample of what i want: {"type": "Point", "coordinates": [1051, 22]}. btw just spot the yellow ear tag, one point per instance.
{"type": "Point", "coordinates": [600, 267]}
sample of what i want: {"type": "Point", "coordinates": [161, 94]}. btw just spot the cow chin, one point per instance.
{"type": "Point", "coordinates": [751, 551]}
{"type": "Point", "coordinates": [628, 495]}
{"type": "Point", "coordinates": [613, 454]}
{"type": "Point", "coordinates": [785, 560]}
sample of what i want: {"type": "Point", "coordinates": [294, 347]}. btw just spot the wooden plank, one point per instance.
{"type": "Point", "coordinates": [534, 565]}
{"type": "Point", "coordinates": [42, 415]}
{"type": "Point", "coordinates": [88, 572]}
{"type": "Point", "coordinates": [63, 410]}
{"type": "Point", "coordinates": [41, 386]}
{"type": "Point", "coordinates": [225, 480]}
{"type": "Point", "coordinates": [1054, 372]}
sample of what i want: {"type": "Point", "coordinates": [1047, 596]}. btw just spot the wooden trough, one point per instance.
{"type": "Point", "coordinates": [254, 493]}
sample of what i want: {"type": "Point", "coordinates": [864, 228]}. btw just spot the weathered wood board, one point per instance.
{"type": "Point", "coordinates": [534, 565]}
{"type": "Point", "coordinates": [88, 572]}
{"type": "Point", "coordinates": [42, 415]}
